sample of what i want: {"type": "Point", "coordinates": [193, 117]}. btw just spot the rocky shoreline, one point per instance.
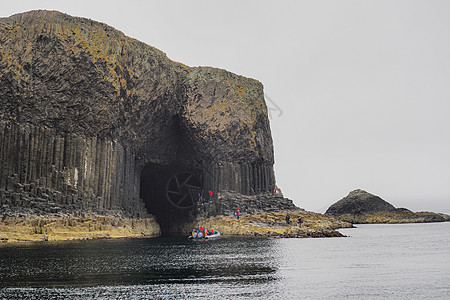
{"type": "Point", "coordinates": [273, 224]}
{"type": "Point", "coordinates": [262, 224]}
{"type": "Point", "coordinates": [394, 217]}
{"type": "Point", "coordinates": [265, 224]}
{"type": "Point", "coordinates": [69, 227]}
{"type": "Point", "coordinates": [261, 216]}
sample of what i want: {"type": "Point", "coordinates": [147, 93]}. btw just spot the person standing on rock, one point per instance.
{"type": "Point", "coordinates": [210, 195]}
{"type": "Point", "coordinates": [238, 211]}
{"type": "Point", "coordinates": [300, 221]}
{"type": "Point", "coordinates": [288, 219]}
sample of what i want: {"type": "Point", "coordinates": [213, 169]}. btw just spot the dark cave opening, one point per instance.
{"type": "Point", "coordinates": [171, 195]}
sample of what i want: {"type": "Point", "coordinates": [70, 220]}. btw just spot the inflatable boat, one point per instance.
{"type": "Point", "coordinates": [199, 235]}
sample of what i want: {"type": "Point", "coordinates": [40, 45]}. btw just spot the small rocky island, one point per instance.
{"type": "Point", "coordinates": [360, 207]}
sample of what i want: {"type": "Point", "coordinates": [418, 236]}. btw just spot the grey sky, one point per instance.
{"type": "Point", "coordinates": [364, 86]}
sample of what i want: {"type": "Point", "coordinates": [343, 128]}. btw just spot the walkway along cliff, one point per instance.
{"type": "Point", "coordinates": [93, 122]}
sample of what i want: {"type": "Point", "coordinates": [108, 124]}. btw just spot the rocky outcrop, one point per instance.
{"type": "Point", "coordinates": [359, 202]}
{"type": "Point", "coordinates": [273, 224]}
{"type": "Point", "coordinates": [362, 207]}
{"type": "Point", "coordinates": [395, 217]}
{"type": "Point", "coordinates": [67, 227]}
{"type": "Point", "coordinates": [92, 121]}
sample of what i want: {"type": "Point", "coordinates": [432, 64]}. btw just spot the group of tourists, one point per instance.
{"type": "Point", "coordinates": [201, 231]}
{"type": "Point", "coordinates": [299, 220]}
{"type": "Point", "coordinates": [202, 199]}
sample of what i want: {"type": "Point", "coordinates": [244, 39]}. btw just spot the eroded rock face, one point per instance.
{"type": "Point", "coordinates": [88, 116]}
{"type": "Point", "coordinates": [359, 202]}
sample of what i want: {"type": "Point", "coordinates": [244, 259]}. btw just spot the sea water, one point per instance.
{"type": "Point", "coordinates": [404, 261]}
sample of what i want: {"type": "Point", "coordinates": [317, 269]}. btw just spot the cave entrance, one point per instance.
{"type": "Point", "coordinates": [170, 194]}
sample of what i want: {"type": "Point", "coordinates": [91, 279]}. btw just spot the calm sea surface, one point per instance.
{"type": "Point", "coordinates": [410, 261]}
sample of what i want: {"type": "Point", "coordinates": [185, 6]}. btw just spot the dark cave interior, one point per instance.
{"type": "Point", "coordinates": [170, 194]}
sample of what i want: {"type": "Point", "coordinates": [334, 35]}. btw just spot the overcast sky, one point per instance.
{"type": "Point", "coordinates": [360, 90]}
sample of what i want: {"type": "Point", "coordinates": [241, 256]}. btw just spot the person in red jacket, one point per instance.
{"type": "Point", "coordinates": [210, 195]}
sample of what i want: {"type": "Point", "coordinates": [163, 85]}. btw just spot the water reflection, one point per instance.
{"type": "Point", "coordinates": [376, 262]}
{"type": "Point", "coordinates": [137, 262]}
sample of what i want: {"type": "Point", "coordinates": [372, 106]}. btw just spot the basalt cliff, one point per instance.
{"type": "Point", "coordinates": [93, 122]}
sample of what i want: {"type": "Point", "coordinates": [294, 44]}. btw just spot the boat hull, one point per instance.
{"type": "Point", "coordinates": [200, 236]}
